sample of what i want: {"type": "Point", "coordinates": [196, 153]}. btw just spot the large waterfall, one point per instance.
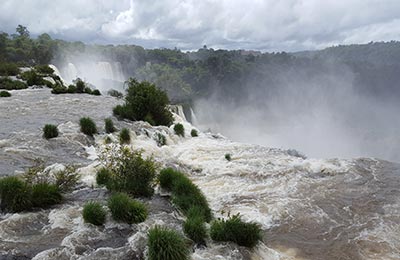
{"type": "Point", "coordinates": [103, 74]}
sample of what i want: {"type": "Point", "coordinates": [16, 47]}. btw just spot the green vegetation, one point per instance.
{"type": "Point", "coordinates": [9, 84]}
{"type": "Point", "coordinates": [45, 195]}
{"type": "Point", "coordinates": [50, 131]}
{"type": "Point", "coordinates": [94, 213]}
{"type": "Point", "coordinates": [166, 244]}
{"type": "Point", "coordinates": [185, 194]}
{"type": "Point", "coordinates": [144, 101]}
{"type": "Point", "coordinates": [132, 174]}
{"type": "Point", "coordinates": [228, 157]}
{"type": "Point", "coordinates": [96, 92]}
{"type": "Point", "coordinates": [67, 179]}
{"type": "Point", "coordinates": [44, 69]}
{"type": "Point", "coordinates": [9, 69]}
{"type": "Point", "coordinates": [194, 133]}
{"type": "Point", "coordinates": [109, 125]}
{"type": "Point", "coordinates": [32, 78]}
{"type": "Point", "coordinates": [124, 136]}
{"type": "Point", "coordinates": [195, 228]}
{"type": "Point", "coordinates": [88, 127]}
{"type": "Point", "coordinates": [179, 130]}
{"type": "Point", "coordinates": [235, 230]}
{"type": "Point", "coordinates": [125, 209]}
{"type": "Point", "coordinates": [15, 195]}
{"type": "Point", "coordinates": [103, 177]}
{"type": "Point", "coordinates": [5, 94]}
{"type": "Point", "coordinates": [160, 139]}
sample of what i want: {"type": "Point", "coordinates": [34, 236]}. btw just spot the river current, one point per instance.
{"type": "Point", "coordinates": [308, 208]}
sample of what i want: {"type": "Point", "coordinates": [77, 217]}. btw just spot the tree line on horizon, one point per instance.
{"type": "Point", "coordinates": [229, 74]}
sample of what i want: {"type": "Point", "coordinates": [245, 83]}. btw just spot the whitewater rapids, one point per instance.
{"type": "Point", "coordinates": [308, 208]}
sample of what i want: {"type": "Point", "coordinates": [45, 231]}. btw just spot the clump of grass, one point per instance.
{"type": "Point", "coordinates": [124, 136]}
{"type": "Point", "coordinates": [50, 131]}
{"type": "Point", "coordinates": [103, 177]}
{"type": "Point", "coordinates": [160, 139]}
{"type": "Point", "coordinates": [109, 126]}
{"type": "Point", "coordinates": [236, 230]}
{"type": "Point", "coordinates": [45, 195]}
{"type": "Point", "coordinates": [166, 244]}
{"type": "Point", "coordinates": [179, 129]}
{"type": "Point", "coordinates": [15, 195]}
{"type": "Point", "coordinates": [194, 133]}
{"type": "Point", "coordinates": [228, 157]}
{"type": "Point", "coordinates": [125, 209]}
{"type": "Point", "coordinates": [94, 213]}
{"type": "Point", "coordinates": [5, 94]}
{"type": "Point", "coordinates": [88, 127]}
{"type": "Point", "coordinates": [133, 174]}
{"type": "Point", "coordinates": [185, 194]}
{"type": "Point", "coordinates": [195, 228]}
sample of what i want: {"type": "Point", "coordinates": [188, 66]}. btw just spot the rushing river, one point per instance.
{"type": "Point", "coordinates": [308, 208]}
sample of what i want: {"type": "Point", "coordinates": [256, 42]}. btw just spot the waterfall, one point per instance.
{"type": "Point", "coordinates": [57, 72]}
{"type": "Point", "coordinates": [193, 117]}
{"type": "Point", "coordinates": [70, 72]}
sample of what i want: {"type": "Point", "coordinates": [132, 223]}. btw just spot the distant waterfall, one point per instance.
{"type": "Point", "coordinates": [70, 72]}
{"type": "Point", "coordinates": [178, 109]}
{"type": "Point", "coordinates": [57, 72]}
{"type": "Point", "coordinates": [193, 117]}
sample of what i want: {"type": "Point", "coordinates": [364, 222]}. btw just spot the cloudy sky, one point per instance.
{"type": "Point", "coordinates": [268, 25]}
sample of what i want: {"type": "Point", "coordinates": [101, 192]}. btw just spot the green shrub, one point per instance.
{"type": "Point", "coordinates": [50, 131]}
{"type": "Point", "coordinates": [71, 89]}
{"type": "Point", "coordinates": [9, 84]}
{"type": "Point", "coordinates": [235, 230]}
{"type": "Point", "coordinates": [15, 195]}
{"type": "Point", "coordinates": [94, 213]}
{"type": "Point", "coordinates": [80, 85]}
{"type": "Point", "coordinates": [96, 92]}
{"type": "Point", "coordinates": [103, 176]}
{"type": "Point", "coordinates": [45, 195]}
{"type": "Point", "coordinates": [115, 93]}
{"type": "Point", "coordinates": [133, 174]}
{"type": "Point", "coordinates": [48, 84]}
{"type": "Point", "coordinates": [124, 136]}
{"type": "Point", "coordinates": [67, 179]}
{"type": "Point", "coordinates": [88, 127]}
{"type": "Point", "coordinates": [58, 88]}
{"type": "Point", "coordinates": [228, 157]}
{"type": "Point", "coordinates": [167, 176]}
{"type": "Point", "coordinates": [166, 244]}
{"type": "Point", "coordinates": [185, 194]}
{"type": "Point", "coordinates": [9, 69]}
{"type": "Point", "coordinates": [5, 94]}
{"type": "Point", "coordinates": [195, 229]}
{"type": "Point", "coordinates": [32, 78]}
{"type": "Point", "coordinates": [109, 126]}
{"type": "Point", "coordinates": [194, 133]}
{"type": "Point", "coordinates": [44, 69]}
{"type": "Point", "coordinates": [160, 139]}
{"type": "Point", "coordinates": [144, 101]}
{"type": "Point", "coordinates": [125, 209]}
{"type": "Point", "coordinates": [179, 130]}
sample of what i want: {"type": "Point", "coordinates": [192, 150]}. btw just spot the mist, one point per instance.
{"type": "Point", "coordinates": [321, 114]}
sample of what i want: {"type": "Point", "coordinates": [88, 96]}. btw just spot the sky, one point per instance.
{"type": "Point", "coordinates": [266, 25]}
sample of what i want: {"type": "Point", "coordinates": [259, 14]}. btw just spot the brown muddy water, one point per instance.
{"type": "Point", "coordinates": [308, 208]}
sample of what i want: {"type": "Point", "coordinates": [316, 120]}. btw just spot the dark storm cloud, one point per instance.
{"type": "Point", "coordinates": [265, 25]}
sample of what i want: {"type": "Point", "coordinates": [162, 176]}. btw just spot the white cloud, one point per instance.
{"type": "Point", "coordinates": [257, 24]}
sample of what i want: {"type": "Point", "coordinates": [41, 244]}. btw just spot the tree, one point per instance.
{"type": "Point", "coordinates": [144, 101]}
